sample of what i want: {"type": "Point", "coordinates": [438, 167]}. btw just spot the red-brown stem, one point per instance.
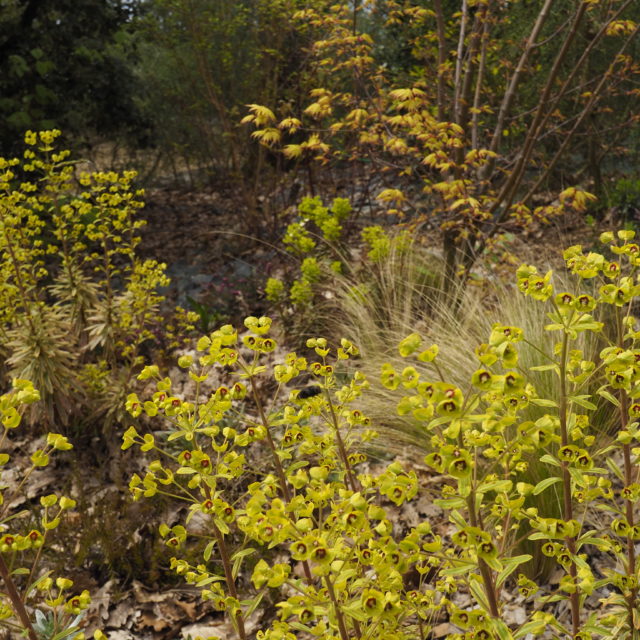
{"type": "Point", "coordinates": [353, 483]}
{"type": "Point", "coordinates": [16, 600]}
{"type": "Point", "coordinates": [570, 541]}
{"type": "Point", "coordinates": [228, 574]}
{"type": "Point", "coordinates": [628, 480]}
{"type": "Point", "coordinates": [344, 634]}
{"type": "Point", "coordinates": [282, 478]}
{"type": "Point", "coordinates": [485, 569]}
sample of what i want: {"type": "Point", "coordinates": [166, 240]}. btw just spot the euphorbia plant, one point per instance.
{"type": "Point", "coordinates": [308, 508]}
{"type": "Point", "coordinates": [32, 602]}
{"type": "Point", "coordinates": [77, 303]}
{"type": "Point", "coordinates": [482, 444]}
{"type": "Point", "coordinates": [318, 533]}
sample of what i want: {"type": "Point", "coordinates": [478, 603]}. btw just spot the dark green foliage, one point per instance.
{"type": "Point", "coordinates": [68, 65]}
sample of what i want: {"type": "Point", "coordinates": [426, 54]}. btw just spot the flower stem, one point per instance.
{"type": "Point", "coordinates": [570, 541]}
{"type": "Point", "coordinates": [282, 478]}
{"type": "Point", "coordinates": [228, 573]}
{"type": "Point", "coordinates": [16, 600]}
{"type": "Point", "coordinates": [342, 627]}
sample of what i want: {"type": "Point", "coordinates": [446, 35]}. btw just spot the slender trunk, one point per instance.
{"type": "Point", "coordinates": [459, 53]}
{"type": "Point", "coordinates": [442, 58]}
{"type": "Point", "coordinates": [478, 92]}
{"type": "Point", "coordinates": [510, 93]}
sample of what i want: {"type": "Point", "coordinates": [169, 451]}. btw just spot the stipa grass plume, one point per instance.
{"type": "Point", "coordinates": [400, 293]}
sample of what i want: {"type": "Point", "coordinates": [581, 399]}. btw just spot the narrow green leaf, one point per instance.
{"type": "Point", "coordinates": [300, 627]}
{"type": "Point", "coordinates": [475, 584]}
{"type": "Point", "coordinates": [243, 553]}
{"type": "Point", "coordinates": [578, 477]}
{"type": "Point", "coordinates": [543, 402]}
{"type": "Point", "coordinates": [208, 550]}
{"type": "Point", "coordinates": [501, 629]}
{"type": "Point", "coordinates": [254, 604]}
{"type": "Point", "coordinates": [538, 535]}
{"type": "Point", "coordinates": [354, 610]}
{"type": "Point", "coordinates": [238, 558]}
{"type": "Point", "coordinates": [510, 565]}
{"type": "Point", "coordinates": [545, 367]}
{"type": "Point", "coordinates": [544, 484]}
{"type": "Point", "coordinates": [450, 503]}
{"type": "Point", "coordinates": [457, 571]}
{"type": "Point", "coordinates": [535, 627]}
{"type": "Point", "coordinates": [457, 518]}
{"type": "Point", "coordinates": [582, 402]}
{"type": "Point", "coordinates": [608, 396]}
{"type": "Point", "coordinates": [615, 469]}
{"type": "Point", "coordinates": [549, 459]}
{"type": "Point", "coordinates": [292, 468]}
{"type": "Point", "coordinates": [497, 485]}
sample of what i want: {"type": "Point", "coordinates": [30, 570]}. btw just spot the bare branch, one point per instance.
{"type": "Point", "coordinates": [515, 78]}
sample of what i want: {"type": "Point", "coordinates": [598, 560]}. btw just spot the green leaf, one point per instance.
{"type": "Point", "coordinates": [578, 477]}
{"type": "Point", "coordinates": [457, 571]}
{"type": "Point", "coordinates": [438, 421]}
{"type": "Point", "coordinates": [535, 627]}
{"type": "Point", "coordinates": [65, 633]}
{"type": "Point", "coordinates": [457, 518]}
{"type": "Point", "coordinates": [543, 402]}
{"type": "Point", "coordinates": [208, 550]}
{"type": "Point", "coordinates": [237, 559]}
{"type": "Point", "coordinates": [615, 469]}
{"type": "Point", "coordinates": [477, 590]}
{"type": "Point", "coordinates": [543, 484]}
{"type": "Point", "coordinates": [292, 468]}
{"type": "Point", "coordinates": [582, 402]}
{"type": "Point", "coordinates": [501, 629]}
{"type": "Point", "coordinates": [545, 367]}
{"type": "Point", "coordinates": [549, 459]}
{"type": "Point", "coordinates": [354, 610]}
{"type": "Point", "coordinates": [300, 627]}
{"type": "Point", "coordinates": [608, 396]}
{"type": "Point", "coordinates": [253, 604]}
{"type": "Point", "coordinates": [510, 565]}
{"type": "Point", "coordinates": [497, 486]}
{"type": "Point", "coordinates": [538, 535]}
{"type": "Point", "coordinates": [450, 503]}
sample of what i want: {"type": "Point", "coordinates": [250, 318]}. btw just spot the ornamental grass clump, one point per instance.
{"type": "Point", "coordinates": [314, 533]}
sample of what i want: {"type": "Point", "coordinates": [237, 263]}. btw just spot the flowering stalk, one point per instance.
{"type": "Point", "coordinates": [16, 600]}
